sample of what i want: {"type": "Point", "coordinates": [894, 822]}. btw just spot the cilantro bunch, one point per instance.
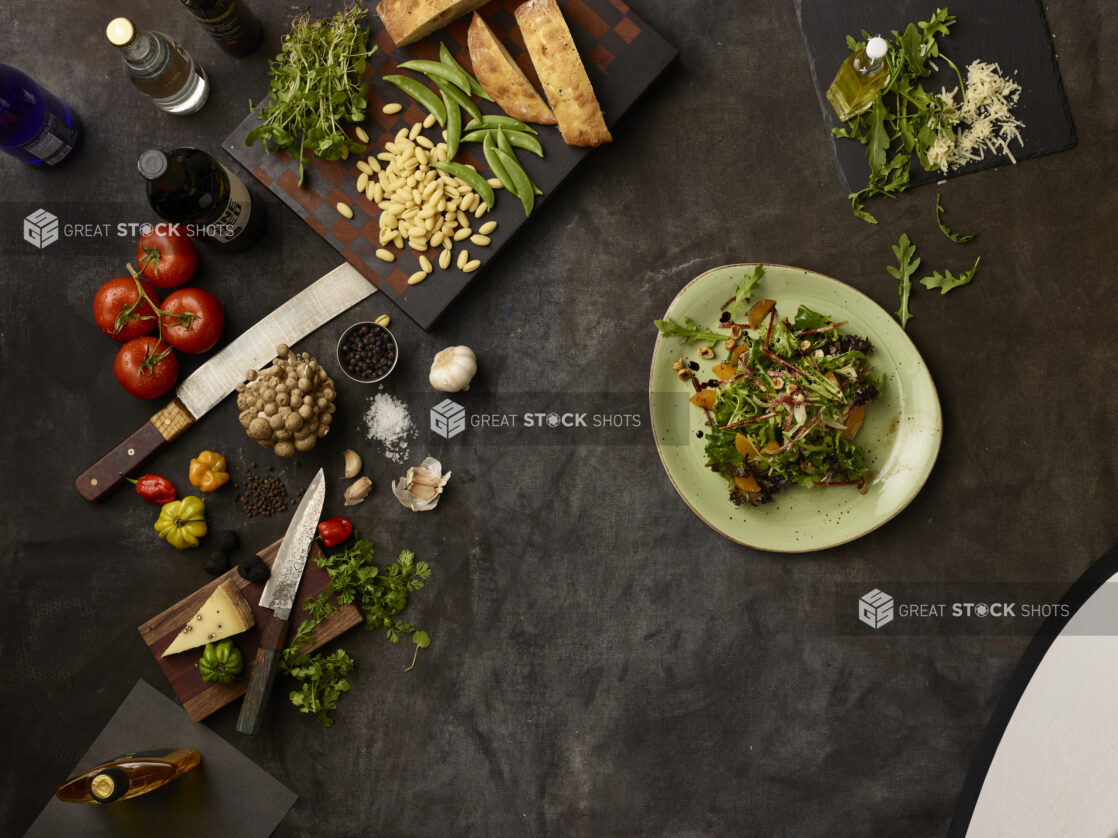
{"type": "Point", "coordinates": [380, 594]}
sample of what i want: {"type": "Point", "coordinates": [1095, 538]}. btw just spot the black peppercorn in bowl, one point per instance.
{"type": "Point", "coordinates": [367, 352]}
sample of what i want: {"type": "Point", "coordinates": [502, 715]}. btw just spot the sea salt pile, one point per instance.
{"type": "Point", "coordinates": [389, 423]}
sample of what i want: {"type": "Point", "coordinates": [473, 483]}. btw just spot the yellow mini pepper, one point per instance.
{"type": "Point", "coordinates": [182, 522]}
{"type": "Point", "coordinates": [207, 471]}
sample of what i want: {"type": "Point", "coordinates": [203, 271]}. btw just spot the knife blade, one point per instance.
{"type": "Point", "coordinates": [312, 307]}
{"type": "Point", "coordinates": [279, 595]}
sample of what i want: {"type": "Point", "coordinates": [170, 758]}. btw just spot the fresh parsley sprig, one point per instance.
{"type": "Point", "coordinates": [380, 594]}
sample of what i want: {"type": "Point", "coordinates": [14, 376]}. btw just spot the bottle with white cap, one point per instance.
{"type": "Point", "coordinates": [160, 67]}
{"type": "Point", "coordinates": [859, 79]}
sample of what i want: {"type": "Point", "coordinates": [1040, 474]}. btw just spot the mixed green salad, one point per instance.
{"type": "Point", "coordinates": [785, 403]}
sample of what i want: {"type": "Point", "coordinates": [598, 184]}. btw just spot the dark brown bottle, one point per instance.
{"type": "Point", "coordinates": [229, 22]}
{"type": "Point", "coordinates": [129, 775]}
{"type": "Point", "coordinates": [190, 187]}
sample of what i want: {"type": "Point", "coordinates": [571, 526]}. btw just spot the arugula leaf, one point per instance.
{"type": "Point", "coordinates": [748, 283]}
{"type": "Point", "coordinates": [808, 320]}
{"type": "Point", "coordinates": [961, 238]}
{"type": "Point", "coordinates": [904, 251]}
{"type": "Point", "coordinates": [946, 281]}
{"type": "Point", "coordinates": [904, 118]}
{"type": "Point", "coordinates": [688, 332]}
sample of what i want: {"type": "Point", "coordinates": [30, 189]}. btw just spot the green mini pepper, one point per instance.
{"type": "Point", "coordinates": [221, 662]}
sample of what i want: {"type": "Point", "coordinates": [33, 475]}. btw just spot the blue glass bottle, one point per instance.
{"type": "Point", "coordinates": [35, 125]}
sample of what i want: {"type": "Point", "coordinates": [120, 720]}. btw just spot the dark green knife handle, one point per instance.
{"type": "Point", "coordinates": [263, 676]}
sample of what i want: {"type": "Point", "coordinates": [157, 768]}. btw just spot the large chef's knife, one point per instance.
{"type": "Point", "coordinates": [279, 595]}
{"type": "Point", "coordinates": [326, 298]}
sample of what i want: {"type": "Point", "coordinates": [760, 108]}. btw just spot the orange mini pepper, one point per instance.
{"type": "Point", "coordinates": [207, 471]}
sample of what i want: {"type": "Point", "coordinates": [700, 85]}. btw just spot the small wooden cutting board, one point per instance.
{"type": "Point", "coordinates": [200, 699]}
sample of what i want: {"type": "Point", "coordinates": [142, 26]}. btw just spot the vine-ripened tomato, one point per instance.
{"type": "Point", "coordinates": [113, 298]}
{"type": "Point", "coordinates": [146, 368]}
{"type": "Point", "coordinates": [167, 256]}
{"type": "Point", "coordinates": [194, 320]}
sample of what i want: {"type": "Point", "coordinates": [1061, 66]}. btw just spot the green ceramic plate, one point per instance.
{"type": "Point", "coordinates": [901, 434]}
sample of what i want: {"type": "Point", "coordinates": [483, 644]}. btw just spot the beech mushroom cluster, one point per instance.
{"type": "Point", "coordinates": [288, 406]}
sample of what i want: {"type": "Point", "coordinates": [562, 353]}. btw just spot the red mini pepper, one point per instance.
{"type": "Point", "coordinates": [334, 531]}
{"type": "Point", "coordinates": [154, 489]}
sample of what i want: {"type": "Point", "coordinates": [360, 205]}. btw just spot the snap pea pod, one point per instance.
{"type": "Point", "coordinates": [504, 145]}
{"type": "Point", "coordinates": [475, 181]}
{"type": "Point", "coordinates": [516, 138]}
{"type": "Point", "coordinates": [494, 120]}
{"type": "Point", "coordinates": [464, 102]}
{"type": "Point", "coordinates": [453, 125]}
{"type": "Point", "coordinates": [422, 94]}
{"type": "Point", "coordinates": [475, 86]}
{"type": "Point", "coordinates": [489, 148]}
{"type": "Point", "coordinates": [524, 185]}
{"type": "Point", "coordinates": [433, 69]}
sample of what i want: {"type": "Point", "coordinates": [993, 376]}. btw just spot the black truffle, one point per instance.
{"type": "Point", "coordinates": [217, 563]}
{"type": "Point", "coordinates": [228, 541]}
{"type": "Point", "coordinates": [254, 570]}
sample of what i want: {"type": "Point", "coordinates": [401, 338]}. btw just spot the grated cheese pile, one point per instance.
{"type": "Point", "coordinates": [984, 122]}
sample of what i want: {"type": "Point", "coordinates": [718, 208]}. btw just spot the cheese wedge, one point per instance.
{"type": "Point", "coordinates": [409, 20]}
{"type": "Point", "coordinates": [562, 73]}
{"type": "Point", "coordinates": [224, 614]}
{"type": "Point", "coordinates": [502, 79]}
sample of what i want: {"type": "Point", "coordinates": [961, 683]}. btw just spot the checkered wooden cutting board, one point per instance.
{"type": "Point", "coordinates": [623, 56]}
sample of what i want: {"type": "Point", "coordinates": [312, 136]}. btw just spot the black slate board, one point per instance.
{"type": "Point", "coordinates": [623, 56]}
{"type": "Point", "coordinates": [226, 789]}
{"type": "Point", "coordinates": [1011, 33]}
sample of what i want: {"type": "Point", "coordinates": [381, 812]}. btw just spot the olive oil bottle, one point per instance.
{"type": "Point", "coordinates": [129, 775]}
{"type": "Point", "coordinates": [859, 79]}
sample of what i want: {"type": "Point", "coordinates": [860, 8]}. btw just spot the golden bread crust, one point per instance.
{"type": "Point", "coordinates": [502, 79]}
{"type": "Point", "coordinates": [562, 73]}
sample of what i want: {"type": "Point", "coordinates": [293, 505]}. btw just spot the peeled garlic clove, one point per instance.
{"type": "Point", "coordinates": [358, 491]}
{"type": "Point", "coordinates": [420, 489]}
{"type": "Point", "coordinates": [352, 463]}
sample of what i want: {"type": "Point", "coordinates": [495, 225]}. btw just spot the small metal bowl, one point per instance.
{"type": "Point", "coordinates": [375, 327]}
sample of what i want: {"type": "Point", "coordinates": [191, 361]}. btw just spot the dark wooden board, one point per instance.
{"type": "Point", "coordinates": [200, 699]}
{"type": "Point", "coordinates": [1011, 33]}
{"type": "Point", "coordinates": [623, 57]}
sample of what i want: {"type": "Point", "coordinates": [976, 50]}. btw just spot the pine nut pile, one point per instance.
{"type": "Point", "coordinates": [422, 208]}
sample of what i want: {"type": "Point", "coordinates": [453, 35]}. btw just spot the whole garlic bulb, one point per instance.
{"type": "Point", "coordinates": [453, 369]}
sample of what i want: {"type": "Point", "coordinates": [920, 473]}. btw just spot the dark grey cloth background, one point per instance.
{"type": "Point", "coordinates": [602, 663]}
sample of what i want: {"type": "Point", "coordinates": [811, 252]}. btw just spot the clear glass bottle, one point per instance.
{"type": "Point", "coordinates": [859, 79]}
{"type": "Point", "coordinates": [35, 126]}
{"type": "Point", "coordinates": [160, 68]}
{"type": "Point", "coordinates": [129, 775]}
{"type": "Point", "coordinates": [230, 22]}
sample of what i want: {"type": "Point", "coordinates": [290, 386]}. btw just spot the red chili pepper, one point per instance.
{"type": "Point", "coordinates": [154, 489]}
{"type": "Point", "coordinates": [334, 531]}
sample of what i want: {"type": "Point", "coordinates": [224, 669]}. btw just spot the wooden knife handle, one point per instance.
{"type": "Point", "coordinates": [104, 475]}
{"type": "Point", "coordinates": [263, 676]}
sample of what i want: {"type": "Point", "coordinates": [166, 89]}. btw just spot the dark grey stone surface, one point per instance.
{"type": "Point", "coordinates": [602, 664]}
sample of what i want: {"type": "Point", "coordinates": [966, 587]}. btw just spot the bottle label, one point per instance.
{"type": "Point", "coordinates": [53, 142]}
{"type": "Point", "coordinates": [225, 26]}
{"type": "Point", "coordinates": [234, 219]}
